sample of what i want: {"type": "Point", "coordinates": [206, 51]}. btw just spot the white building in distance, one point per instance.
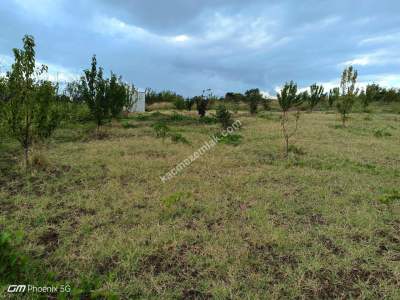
{"type": "Point", "coordinates": [139, 104]}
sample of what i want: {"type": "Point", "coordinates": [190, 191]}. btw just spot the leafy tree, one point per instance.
{"type": "Point", "coordinates": [189, 103]}
{"type": "Point", "coordinates": [253, 97]}
{"type": "Point", "coordinates": [390, 95]}
{"type": "Point", "coordinates": [373, 93]}
{"type": "Point", "coordinates": [203, 101]}
{"type": "Point", "coordinates": [349, 92]}
{"type": "Point", "coordinates": [30, 112]}
{"type": "Point", "coordinates": [288, 98]}
{"type": "Point", "coordinates": [179, 103]}
{"type": "Point", "coordinates": [94, 89]}
{"type": "Point", "coordinates": [316, 95]}
{"type": "Point", "coordinates": [115, 94]}
{"type": "Point", "coordinates": [224, 116]}
{"type": "Point", "coordinates": [334, 95]}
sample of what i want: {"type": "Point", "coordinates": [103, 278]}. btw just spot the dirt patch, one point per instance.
{"type": "Point", "coordinates": [50, 240]}
{"type": "Point", "coordinates": [173, 261]}
{"type": "Point", "coordinates": [343, 284]}
{"type": "Point", "coordinates": [331, 246]}
{"type": "Point", "coordinates": [195, 294]}
{"type": "Point", "coordinates": [265, 258]}
{"type": "Point", "coordinates": [317, 219]}
{"type": "Point", "coordinates": [107, 264]}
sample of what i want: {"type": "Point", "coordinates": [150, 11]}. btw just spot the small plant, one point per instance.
{"type": "Point", "coordinates": [381, 132]}
{"type": "Point", "coordinates": [230, 139]}
{"type": "Point", "coordinates": [178, 138]}
{"type": "Point", "coordinates": [12, 263]}
{"type": "Point", "coordinates": [208, 120]}
{"type": "Point", "coordinates": [173, 199]}
{"type": "Point", "coordinates": [128, 125]}
{"type": "Point", "coordinates": [179, 103]}
{"type": "Point", "coordinates": [224, 116]}
{"type": "Point", "coordinates": [161, 130]}
{"type": "Point", "coordinates": [390, 197]}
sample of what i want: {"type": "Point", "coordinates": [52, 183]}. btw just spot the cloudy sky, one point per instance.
{"type": "Point", "coordinates": [225, 45]}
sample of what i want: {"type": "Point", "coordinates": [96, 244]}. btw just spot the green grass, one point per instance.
{"type": "Point", "coordinates": [241, 222]}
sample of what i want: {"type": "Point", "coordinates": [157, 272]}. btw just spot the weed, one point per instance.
{"type": "Point", "coordinates": [230, 139]}
{"type": "Point", "coordinates": [390, 197]}
{"type": "Point", "coordinates": [178, 138]}
{"type": "Point", "coordinates": [381, 132]}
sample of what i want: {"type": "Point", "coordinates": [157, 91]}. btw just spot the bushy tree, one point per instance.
{"type": "Point", "coordinates": [253, 97]}
{"type": "Point", "coordinates": [203, 101]}
{"type": "Point", "coordinates": [189, 103]}
{"type": "Point", "coordinates": [349, 93]}
{"type": "Point", "coordinates": [371, 94]}
{"type": "Point", "coordinates": [334, 95]}
{"type": "Point", "coordinates": [317, 95]}
{"type": "Point", "coordinates": [224, 117]}
{"type": "Point", "coordinates": [116, 95]}
{"type": "Point", "coordinates": [94, 88]}
{"type": "Point", "coordinates": [179, 103]}
{"type": "Point", "coordinates": [288, 99]}
{"type": "Point", "coordinates": [30, 112]}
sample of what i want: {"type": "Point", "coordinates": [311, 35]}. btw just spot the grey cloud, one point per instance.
{"type": "Point", "coordinates": [228, 45]}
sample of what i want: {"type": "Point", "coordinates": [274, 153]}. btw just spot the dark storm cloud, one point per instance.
{"type": "Point", "coordinates": [224, 45]}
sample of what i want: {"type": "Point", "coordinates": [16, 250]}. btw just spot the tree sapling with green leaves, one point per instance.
{"type": "Point", "coordinates": [288, 99]}
{"type": "Point", "coordinates": [349, 93]}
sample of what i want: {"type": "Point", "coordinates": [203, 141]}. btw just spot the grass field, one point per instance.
{"type": "Point", "coordinates": [242, 222]}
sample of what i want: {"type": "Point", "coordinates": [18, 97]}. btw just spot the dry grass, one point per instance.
{"type": "Point", "coordinates": [240, 222]}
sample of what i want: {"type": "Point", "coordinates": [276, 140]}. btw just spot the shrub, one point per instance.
{"type": "Point", "coordinates": [179, 103]}
{"type": "Point", "coordinates": [161, 130]}
{"type": "Point", "coordinates": [253, 97]}
{"type": "Point", "coordinates": [12, 263]}
{"type": "Point", "coordinates": [224, 116]}
{"type": "Point", "coordinates": [381, 132]}
{"type": "Point", "coordinates": [230, 139]}
{"type": "Point", "coordinates": [178, 138]}
{"type": "Point", "coordinates": [390, 197]}
{"type": "Point", "coordinates": [189, 104]}
{"type": "Point", "coordinates": [208, 120]}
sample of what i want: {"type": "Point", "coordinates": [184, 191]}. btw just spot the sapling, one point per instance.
{"type": "Point", "coordinates": [224, 116]}
{"type": "Point", "coordinates": [289, 99]}
{"type": "Point", "coordinates": [349, 93]}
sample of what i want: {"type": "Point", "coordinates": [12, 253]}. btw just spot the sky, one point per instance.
{"type": "Point", "coordinates": [225, 45]}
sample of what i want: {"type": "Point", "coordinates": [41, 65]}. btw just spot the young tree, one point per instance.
{"type": "Point", "coordinates": [373, 93]}
{"type": "Point", "coordinates": [224, 116]}
{"type": "Point", "coordinates": [115, 94]}
{"type": "Point", "coordinates": [30, 111]}
{"type": "Point", "coordinates": [203, 101]}
{"type": "Point", "coordinates": [94, 89]}
{"type": "Point", "coordinates": [253, 97]}
{"type": "Point", "coordinates": [189, 103]}
{"type": "Point", "coordinates": [348, 93]}
{"type": "Point", "coordinates": [334, 95]}
{"type": "Point", "coordinates": [288, 99]}
{"type": "Point", "coordinates": [316, 95]}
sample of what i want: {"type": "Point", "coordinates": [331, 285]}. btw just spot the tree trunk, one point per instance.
{"type": "Point", "coordinates": [26, 154]}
